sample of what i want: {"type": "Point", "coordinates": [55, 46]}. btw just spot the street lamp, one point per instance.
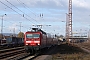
{"type": "Point", "coordinates": [2, 25]}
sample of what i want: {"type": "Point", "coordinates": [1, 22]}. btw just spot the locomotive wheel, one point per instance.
{"type": "Point", "coordinates": [32, 51]}
{"type": "Point", "coordinates": [26, 49]}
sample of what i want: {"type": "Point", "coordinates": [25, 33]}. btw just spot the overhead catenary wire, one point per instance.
{"type": "Point", "coordinates": [25, 6]}
{"type": "Point", "coordinates": [20, 11]}
{"type": "Point", "coordinates": [11, 8]}
{"type": "Point", "coordinates": [15, 25]}
{"type": "Point", "coordinates": [23, 15]}
{"type": "Point", "coordinates": [16, 11]}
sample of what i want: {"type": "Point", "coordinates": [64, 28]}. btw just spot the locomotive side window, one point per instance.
{"type": "Point", "coordinates": [33, 35]}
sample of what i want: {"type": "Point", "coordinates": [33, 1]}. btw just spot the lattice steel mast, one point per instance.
{"type": "Point", "coordinates": [67, 30]}
{"type": "Point", "coordinates": [70, 20]}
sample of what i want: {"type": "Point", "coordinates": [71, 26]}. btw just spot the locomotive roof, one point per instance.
{"type": "Point", "coordinates": [37, 30]}
{"type": "Point", "coordinates": [42, 31]}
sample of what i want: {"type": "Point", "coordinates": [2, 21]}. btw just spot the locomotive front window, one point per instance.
{"type": "Point", "coordinates": [33, 35]}
{"type": "Point", "coordinates": [29, 35]}
{"type": "Point", "coordinates": [36, 35]}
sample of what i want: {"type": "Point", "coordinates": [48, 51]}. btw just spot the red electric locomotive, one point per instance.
{"type": "Point", "coordinates": [35, 40]}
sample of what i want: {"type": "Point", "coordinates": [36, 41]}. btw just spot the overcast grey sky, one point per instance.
{"type": "Point", "coordinates": [54, 12]}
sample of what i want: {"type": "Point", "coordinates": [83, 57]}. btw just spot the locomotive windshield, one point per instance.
{"type": "Point", "coordinates": [33, 35]}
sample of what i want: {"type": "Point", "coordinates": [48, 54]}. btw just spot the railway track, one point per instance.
{"type": "Point", "coordinates": [34, 56]}
{"type": "Point", "coordinates": [19, 53]}
{"type": "Point", "coordinates": [30, 57]}
{"type": "Point", "coordinates": [16, 54]}
{"type": "Point", "coordinates": [10, 49]}
{"type": "Point", "coordinates": [8, 54]}
{"type": "Point", "coordinates": [64, 52]}
{"type": "Point", "coordinates": [40, 55]}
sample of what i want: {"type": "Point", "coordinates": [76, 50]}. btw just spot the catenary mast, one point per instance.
{"type": "Point", "coordinates": [69, 21]}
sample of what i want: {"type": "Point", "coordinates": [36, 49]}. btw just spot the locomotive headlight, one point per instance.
{"type": "Point", "coordinates": [38, 44]}
{"type": "Point", "coordinates": [26, 44]}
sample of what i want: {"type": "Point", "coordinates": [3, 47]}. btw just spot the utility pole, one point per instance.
{"type": "Point", "coordinates": [20, 26]}
{"type": "Point", "coordinates": [14, 32]}
{"type": "Point", "coordinates": [89, 35]}
{"type": "Point", "coordinates": [2, 25]}
{"type": "Point", "coordinates": [20, 30]}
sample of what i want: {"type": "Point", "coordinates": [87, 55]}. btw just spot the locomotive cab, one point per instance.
{"type": "Point", "coordinates": [32, 39]}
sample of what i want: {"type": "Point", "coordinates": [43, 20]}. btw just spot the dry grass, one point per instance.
{"type": "Point", "coordinates": [85, 45]}
{"type": "Point", "coordinates": [75, 56]}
